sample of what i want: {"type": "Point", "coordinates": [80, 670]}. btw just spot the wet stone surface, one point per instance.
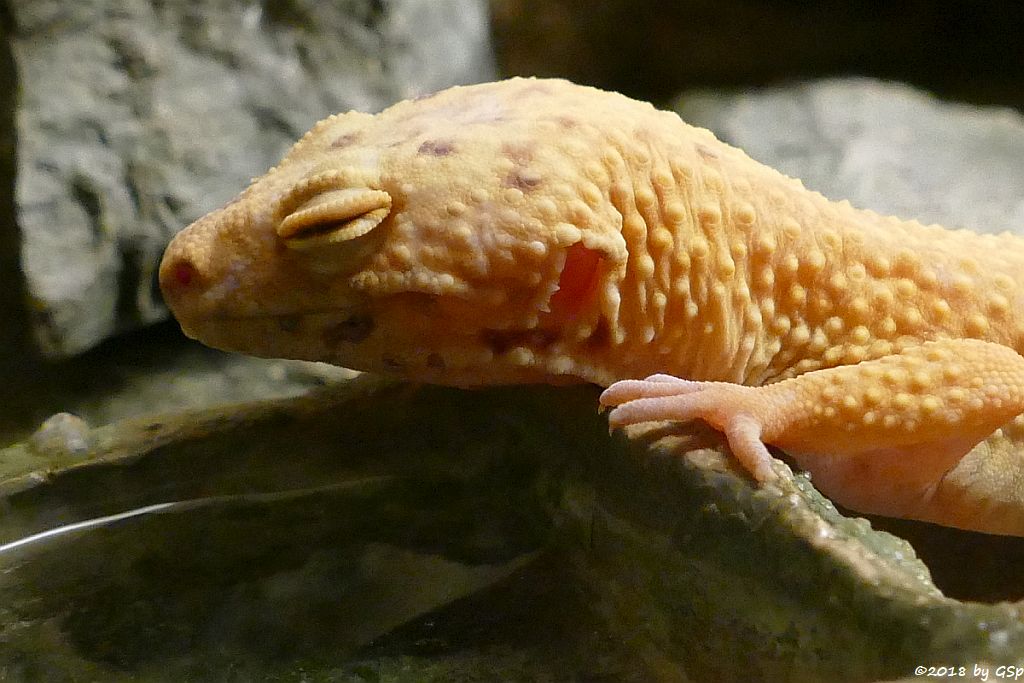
{"type": "Point", "coordinates": [384, 532]}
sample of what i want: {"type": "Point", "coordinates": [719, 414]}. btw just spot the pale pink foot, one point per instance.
{"type": "Point", "coordinates": [722, 405]}
{"type": "Point", "coordinates": [878, 436]}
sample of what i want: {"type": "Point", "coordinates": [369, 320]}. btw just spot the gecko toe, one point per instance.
{"type": "Point", "coordinates": [670, 379]}
{"type": "Point", "coordinates": [634, 389]}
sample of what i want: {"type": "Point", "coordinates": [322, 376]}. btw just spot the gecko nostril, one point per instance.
{"type": "Point", "coordinates": [178, 276]}
{"type": "Point", "coordinates": [183, 273]}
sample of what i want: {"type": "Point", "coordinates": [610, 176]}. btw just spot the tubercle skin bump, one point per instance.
{"type": "Point", "coordinates": [538, 231]}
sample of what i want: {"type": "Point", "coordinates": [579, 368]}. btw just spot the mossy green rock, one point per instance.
{"type": "Point", "coordinates": [387, 532]}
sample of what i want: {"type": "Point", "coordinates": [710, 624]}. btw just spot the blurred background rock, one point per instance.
{"type": "Point", "coordinates": [124, 121]}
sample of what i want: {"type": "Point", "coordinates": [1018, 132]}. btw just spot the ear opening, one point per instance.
{"type": "Point", "coordinates": [578, 281]}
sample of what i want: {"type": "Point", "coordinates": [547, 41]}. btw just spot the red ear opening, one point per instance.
{"type": "Point", "coordinates": [577, 285]}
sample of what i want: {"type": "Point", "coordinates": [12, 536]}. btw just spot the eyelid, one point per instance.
{"type": "Point", "coordinates": [305, 189]}
{"type": "Point", "coordinates": [343, 214]}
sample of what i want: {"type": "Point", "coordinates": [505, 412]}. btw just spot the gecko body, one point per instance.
{"type": "Point", "coordinates": [540, 231]}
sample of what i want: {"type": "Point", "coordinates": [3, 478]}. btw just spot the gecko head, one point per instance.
{"type": "Point", "coordinates": [449, 240]}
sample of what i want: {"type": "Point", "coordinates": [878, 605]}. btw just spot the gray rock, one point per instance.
{"type": "Point", "coordinates": [883, 146]}
{"type": "Point", "coordinates": [435, 534]}
{"type": "Point", "coordinates": [63, 433]}
{"type": "Point", "coordinates": [137, 117]}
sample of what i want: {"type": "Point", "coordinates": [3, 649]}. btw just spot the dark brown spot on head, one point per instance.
{"type": "Point", "coordinates": [345, 140]}
{"type": "Point", "coordinates": [522, 179]}
{"type": "Point", "coordinates": [437, 148]}
{"type": "Point", "coordinates": [353, 330]}
{"type": "Point", "coordinates": [435, 362]}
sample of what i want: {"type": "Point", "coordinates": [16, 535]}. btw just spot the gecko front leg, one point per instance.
{"type": "Point", "coordinates": [877, 436]}
{"type": "Point", "coordinates": [728, 407]}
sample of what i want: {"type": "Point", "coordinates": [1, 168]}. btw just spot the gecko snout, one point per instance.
{"type": "Point", "coordinates": [196, 278]}
{"type": "Point", "coordinates": [181, 282]}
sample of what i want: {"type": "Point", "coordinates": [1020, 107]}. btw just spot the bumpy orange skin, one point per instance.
{"type": "Point", "coordinates": [540, 231]}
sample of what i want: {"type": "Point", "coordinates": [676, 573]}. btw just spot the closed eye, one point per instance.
{"type": "Point", "coordinates": [334, 216]}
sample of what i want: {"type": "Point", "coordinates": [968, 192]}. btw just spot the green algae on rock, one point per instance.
{"type": "Point", "coordinates": [431, 533]}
